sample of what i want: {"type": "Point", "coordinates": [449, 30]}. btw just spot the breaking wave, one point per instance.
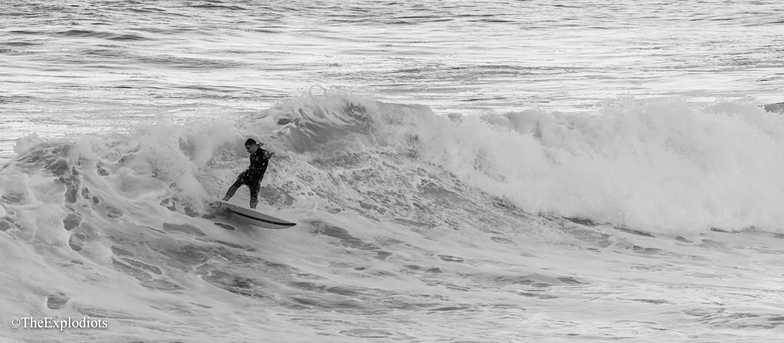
{"type": "Point", "coordinates": [663, 164]}
{"type": "Point", "coordinates": [383, 194]}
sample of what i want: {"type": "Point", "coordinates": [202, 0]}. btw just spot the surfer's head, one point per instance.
{"type": "Point", "coordinates": [251, 145]}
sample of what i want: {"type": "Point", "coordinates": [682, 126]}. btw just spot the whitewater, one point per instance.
{"type": "Point", "coordinates": [464, 172]}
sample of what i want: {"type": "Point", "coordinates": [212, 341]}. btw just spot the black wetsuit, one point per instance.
{"type": "Point", "coordinates": [252, 177]}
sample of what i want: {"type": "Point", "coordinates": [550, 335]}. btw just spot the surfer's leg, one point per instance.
{"type": "Point", "coordinates": [233, 189]}
{"type": "Point", "coordinates": [254, 186]}
{"type": "Point", "coordinates": [254, 193]}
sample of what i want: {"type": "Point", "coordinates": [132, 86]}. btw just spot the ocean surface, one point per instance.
{"type": "Point", "coordinates": [460, 171]}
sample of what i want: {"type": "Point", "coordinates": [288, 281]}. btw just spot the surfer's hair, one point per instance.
{"type": "Point", "coordinates": [250, 141]}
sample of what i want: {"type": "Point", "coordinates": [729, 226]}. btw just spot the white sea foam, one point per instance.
{"type": "Point", "coordinates": [656, 164]}
{"type": "Point", "coordinates": [405, 218]}
{"type": "Point", "coordinates": [661, 164]}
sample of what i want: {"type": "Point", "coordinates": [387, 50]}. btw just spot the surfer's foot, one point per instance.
{"type": "Point", "coordinates": [253, 204]}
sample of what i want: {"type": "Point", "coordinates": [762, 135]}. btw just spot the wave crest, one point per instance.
{"type": "Point", "coordinates": [663, 164]}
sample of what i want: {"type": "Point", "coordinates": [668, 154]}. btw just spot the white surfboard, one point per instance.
{"type": "Point", "coordinates": [255, 217]}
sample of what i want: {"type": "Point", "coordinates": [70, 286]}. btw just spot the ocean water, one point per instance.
{"type": "Point", "coordinates": [462, 171]}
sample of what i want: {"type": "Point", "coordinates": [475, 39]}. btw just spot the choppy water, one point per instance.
{"type": "Point", "coordinates": [490, 171]}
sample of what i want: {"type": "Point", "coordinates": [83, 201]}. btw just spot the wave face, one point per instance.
{"type": "Point", "coordinates": [661, 164]}
{"type": "Point", "coordinates": [409, 223]}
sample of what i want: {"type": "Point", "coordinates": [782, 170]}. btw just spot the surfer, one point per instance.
{"type": "Point", "coordinates": [253, 175]}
